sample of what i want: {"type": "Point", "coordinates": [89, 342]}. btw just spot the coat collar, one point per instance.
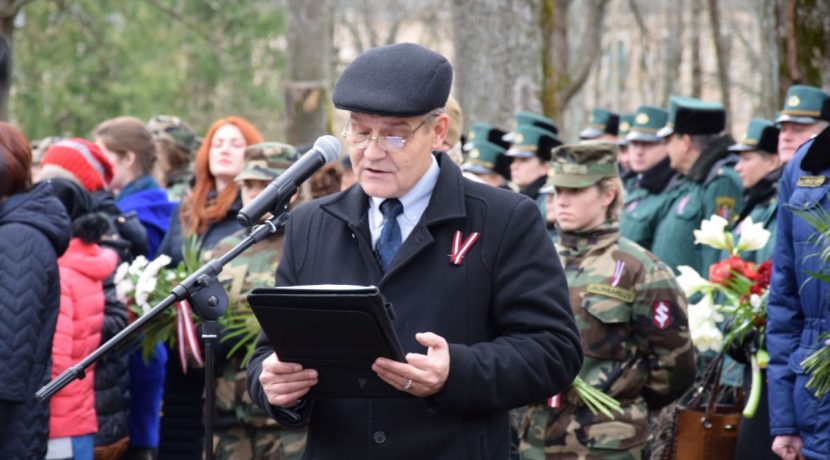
{"type": "Point", "coordinates": [446, 203]}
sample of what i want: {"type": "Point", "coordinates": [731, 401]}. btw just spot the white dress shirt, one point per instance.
{"type": "Point", "coordinates": [414, 204]}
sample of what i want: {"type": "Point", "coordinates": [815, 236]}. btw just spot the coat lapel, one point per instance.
{"type": "Point", "coordinates": [445, 204]}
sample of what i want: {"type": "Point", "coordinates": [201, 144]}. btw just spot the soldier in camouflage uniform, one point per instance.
{"type": "Point", "coordinates": [243, 430]}
{"type": "Point", "coordinates": [176, 144]}
{"type": "Point", "coordinates": [630, 311]}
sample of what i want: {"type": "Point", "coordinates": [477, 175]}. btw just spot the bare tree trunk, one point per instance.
{"type": "Point", "coordinates": [496, 58]}
{"type": "Point", "coordinates": [722, 54]}
{"type": "Point", "coordinates": [564, 76]}
{"type": "Point", "coordinates": [697, 66]}
{"type": "Point", "coordinates": [770, 97]}
{"type": "Point", "coordinates": [8, 11]}
{"type": "Point", "coordinates": [792, 58]}
{"type": "Point", "coordinates": [310, 30]}
{"type": "Point", "coordinates": [673, 51]}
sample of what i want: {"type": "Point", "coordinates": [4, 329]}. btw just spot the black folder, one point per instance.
{"type": "Point", "coordinates": [337, 330]}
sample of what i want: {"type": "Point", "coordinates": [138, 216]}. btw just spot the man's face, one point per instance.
{"type": "Point", "coordinates": [678, 148]}
{"type": "Point", "coordinates": [523, 171]}
{"type": "Point", "coordinates": [624, 157]}
{"type": "Point", "coordinates": [793, 135]}
{"type": "Point", "coordinates": [642, 156]}
{"type": "Point", "coordinates": [392, 173]}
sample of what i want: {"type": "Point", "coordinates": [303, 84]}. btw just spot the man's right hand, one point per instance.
{"type": "Point", "coordinates": [285, 383]}
{"type": "Point", "coordinates": [787, 447]}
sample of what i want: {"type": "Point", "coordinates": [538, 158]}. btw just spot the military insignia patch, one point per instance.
{"type": "Point", "coordinates": [793, 101]}
{"type": "Point", "coordinates": [632, 206]}
{"type": "Point", "coordinates": [725, 206]}
{"type": "Point", "coordinates": [811, 181]}
{"type": "Point", "coordinates": [642, 119]}
{"type": "Point", "coordinates": [661, 314]}
{"type": "Point", "coordinates": [626, 295]}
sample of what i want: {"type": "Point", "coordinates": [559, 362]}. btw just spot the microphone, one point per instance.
{"type": "Point", "coordinates": [326, 150]}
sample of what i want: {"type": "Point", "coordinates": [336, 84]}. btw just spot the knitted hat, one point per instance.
{"type": "Point", "coordinates": [83, 159]}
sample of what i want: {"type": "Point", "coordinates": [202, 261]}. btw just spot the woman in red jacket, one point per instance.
{"type": "Point", "coordinates": [72, 420]}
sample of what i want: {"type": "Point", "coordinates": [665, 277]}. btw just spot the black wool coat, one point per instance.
{"type": "Point", "coordinates": [504, 312]}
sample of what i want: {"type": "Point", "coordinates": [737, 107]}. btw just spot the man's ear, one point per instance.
{"type": "Point", "coordinates": [439, 130]}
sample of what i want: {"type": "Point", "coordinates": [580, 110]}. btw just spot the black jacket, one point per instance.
{"type": "Point", "coordinates": [504, 312]}
{"type": "Point", "coordinates": [34, 232]}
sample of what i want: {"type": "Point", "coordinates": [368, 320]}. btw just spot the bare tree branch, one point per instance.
{"type": "Point", "coordinates": [792, 55]}
{"type": "Point", "coordinates": [590, 48]}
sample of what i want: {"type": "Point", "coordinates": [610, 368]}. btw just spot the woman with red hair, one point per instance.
{"type": "Point", "coordinates": [210, 214]}
{"type": "Point", "coordinates": [34, 232]}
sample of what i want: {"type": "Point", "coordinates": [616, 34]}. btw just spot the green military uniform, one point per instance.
{"type": "Point", "coordinates": [631, 315]}
{"type": "Point", "coordinates": [761, 200]}
{"type": "Point", "coordinates": [533, 136]}
{"type": "Point", "coordinates": [711, 186]}
{"type": "Point", "coordinates": [602, 121]}
{"type": "Point", "coordinates": [243, 430]}
{"type": "Point", "coordinates": [648, 193]}
{"type": "Point", "coordinates": [173, 129]}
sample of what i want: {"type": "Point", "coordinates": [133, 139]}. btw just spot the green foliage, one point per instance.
{"type": "Point", "coordinates": [79, 62]}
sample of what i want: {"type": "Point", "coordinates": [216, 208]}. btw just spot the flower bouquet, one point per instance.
{"type": "Point", "coordinates": [142, 284]}
{"type": "Point", "coordinates": [736, 292]}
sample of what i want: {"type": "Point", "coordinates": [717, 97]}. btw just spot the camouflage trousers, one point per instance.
{"type": "Point", "coordinates": [252, 443]}
{"type": "Point", "coordinates": [567, 438]}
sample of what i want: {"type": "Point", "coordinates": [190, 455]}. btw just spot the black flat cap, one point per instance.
{"type": "Point", "coordinates": [400, 80]}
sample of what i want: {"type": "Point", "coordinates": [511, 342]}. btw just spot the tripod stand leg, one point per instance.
{"type": "Point", "coordinates": [210, 332]}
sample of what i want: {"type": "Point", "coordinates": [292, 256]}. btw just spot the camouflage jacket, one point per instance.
{"type": "Point", "coordinates": [631, 315]}
{"type": "Point", "coordinates": [252, 269]}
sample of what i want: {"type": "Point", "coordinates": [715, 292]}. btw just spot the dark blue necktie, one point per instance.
{"type": "Point", "coordinates": [390, 237]}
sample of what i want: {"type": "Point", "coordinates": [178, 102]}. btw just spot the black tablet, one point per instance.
{"type": "Point", "coordinates": [337, 330]}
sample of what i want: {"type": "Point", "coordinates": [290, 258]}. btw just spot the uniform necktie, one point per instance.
{"type": "Point", "coordinates": [390, 236]}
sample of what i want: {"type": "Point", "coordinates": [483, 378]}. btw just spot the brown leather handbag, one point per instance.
{"type": "Point", "coordinates": [705, 431]}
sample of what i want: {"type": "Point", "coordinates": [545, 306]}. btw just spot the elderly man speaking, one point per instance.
{"type": "Point", "coordinates": [485, 322]}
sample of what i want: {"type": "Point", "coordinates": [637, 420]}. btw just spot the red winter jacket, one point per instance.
{"type": "Point", "coordinates": [78, 333]}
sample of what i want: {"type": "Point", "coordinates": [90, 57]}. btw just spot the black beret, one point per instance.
{"type": "Point", "coordinates": [400, 80]}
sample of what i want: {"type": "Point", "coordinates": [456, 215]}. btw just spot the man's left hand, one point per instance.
{"type": "Point", "coordinates": [421, 375]}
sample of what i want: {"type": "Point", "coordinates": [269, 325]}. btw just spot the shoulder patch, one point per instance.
{"type": "Point", "coordinates": [725, 206]}
{"type": "Point", "coordinates": [626, 295]}
{"type": "Point", "coordinates": [811, 181]}
{"type": "Point", "coordinates": [661, 314]}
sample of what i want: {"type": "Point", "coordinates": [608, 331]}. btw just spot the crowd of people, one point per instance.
{"type": "Point", "coordinates": [570, 271]}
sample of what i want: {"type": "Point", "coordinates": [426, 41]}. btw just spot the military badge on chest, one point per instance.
{"type": "Point", "coordinates": [682, 203]}
{"type": "Point", "coordinates": [661, 314]}
{"type": "Point", "coordinates": [725, 207]}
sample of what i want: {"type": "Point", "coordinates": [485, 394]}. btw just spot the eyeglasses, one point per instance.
{"type": "Point", "coordinates": [388, 143]}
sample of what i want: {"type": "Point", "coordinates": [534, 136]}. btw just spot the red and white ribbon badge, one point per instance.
{"type": "Point", "coordinates": [460, 248]}
{"type": "Point", "coordinates": [186, 340]}
{"type": "Point", "coordinates": [553, 402]}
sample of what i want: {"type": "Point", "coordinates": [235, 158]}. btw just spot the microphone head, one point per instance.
{"type": "Point", "coordinates": [329, 146]}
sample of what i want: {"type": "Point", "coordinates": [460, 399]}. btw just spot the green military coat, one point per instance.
{"type": "Point", "coordinates": [761, 204]}
{"type": "Point", "coordinates": [648, 197]}
{"type": "Point", "coordinates": [711, 187]}
{"type": "Point", "coordinates": [632, 320]}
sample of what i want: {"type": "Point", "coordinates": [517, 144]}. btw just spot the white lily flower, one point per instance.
{"type": "Point", "coordinates": [703, 319]}
{"type": "Point", "coordinates": [121, 272]}
{"type": "Point", "coordinates": [690, 281]}
{"type": "Point", "coordinates": [753, 236]}
{"type": "Point", "coordinates": [138, 264]}
{"type": "Point", "coordinates": [755, 301]}
{"type": "Point", "coordinates": [713, 233]}
{"type": "Point", "coordinates": [123, 289]}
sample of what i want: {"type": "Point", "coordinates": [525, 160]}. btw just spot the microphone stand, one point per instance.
{"type": "Point", "coordinates": [208, 299]}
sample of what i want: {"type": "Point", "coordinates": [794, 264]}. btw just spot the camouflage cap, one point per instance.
{"type": "Point", "coordinates": [602, 121]}
{"type": "Point", "coordinates": [761, 135]}
{"type": "Point", "coordinates": [648, 121]}
{"type": "Point", "coordinates": [266, 161]}
{"type": "Point", "coordinates": [175, 130]}
{"type": "Point", "coordinates": [805, 105]}
{"type": "Point", "coordinates": [626, 121]}
{"type": "Point", "coordinates": [582, 165]}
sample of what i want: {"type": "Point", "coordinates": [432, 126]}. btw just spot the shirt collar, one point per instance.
{"type": "Point", "coordinates": [416, 200]}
